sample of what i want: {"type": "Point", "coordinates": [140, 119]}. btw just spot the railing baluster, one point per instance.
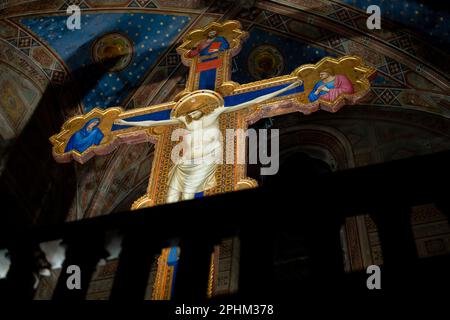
{"type": "Point", "coordinates": [138, 252]}
{"type": "Point", "coordinates": [256, 272]}
{"type": "Point", "coordinates": [397, 243]}
{"type": "Point", "coordinates": [191, 281]}
{"type": "Point", "coordinates": [20, 279]}
{"type": "Point", "coordinates": [324, 244]}
{"type": "Point", "coordinates": [84, 252]}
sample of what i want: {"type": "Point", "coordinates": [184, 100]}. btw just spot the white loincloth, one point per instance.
{"type": "Point", "coordinates": [192, 177]}
{"type": "Point", "coordinates": [196, 175]}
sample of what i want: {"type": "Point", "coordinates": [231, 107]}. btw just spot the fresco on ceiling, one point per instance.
{"type": "Point", "coordinates": [135, 39]}
{"type": "Point", "coordinates": [18, 98]}
{"type": "Point", "coordinates": [431, 19]}
{"type": "Point", "coordinates": [266, 54]}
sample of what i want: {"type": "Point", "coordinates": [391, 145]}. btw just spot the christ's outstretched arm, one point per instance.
{"type": "Point", "coordinates": [262, 98]}
{"type": "Point", "coordinates": [147, 123]}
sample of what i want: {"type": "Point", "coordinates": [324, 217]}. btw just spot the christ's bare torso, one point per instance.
{"type": "Point", "coordinates": [202, 137]}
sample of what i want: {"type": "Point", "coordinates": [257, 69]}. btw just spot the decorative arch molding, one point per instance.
{"type": "Point", "coordinates": [380, 134]}
{"type": "Point", "coordinates": [429, 121]}
{"type": "Point", "coordinates": [320, 142]}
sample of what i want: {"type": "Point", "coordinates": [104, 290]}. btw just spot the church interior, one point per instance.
{"type": "Point", "coordinates": [364, 186]}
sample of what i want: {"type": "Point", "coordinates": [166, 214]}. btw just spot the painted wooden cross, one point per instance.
{"type": "Point", "coordinates": [210, 104]}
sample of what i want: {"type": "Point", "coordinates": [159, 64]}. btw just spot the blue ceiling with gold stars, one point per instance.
{"type": "Point", "coordinates": [138, 38]}
{"type": "Point", "coordinates": [291, 52]}
{"type": "Point", "coordinates": [431, 18]}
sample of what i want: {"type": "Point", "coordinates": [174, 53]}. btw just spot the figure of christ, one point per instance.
{"type": "Point", "coordinates": [331, 86]}
{"type": "Point", "coordinates": [194, 171]}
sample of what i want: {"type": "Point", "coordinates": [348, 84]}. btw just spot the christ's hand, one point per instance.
{"type": "Point", "coordinates": [120, 122]}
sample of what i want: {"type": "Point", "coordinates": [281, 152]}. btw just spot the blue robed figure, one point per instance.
{"type": "Point", "coordinates": [87, 136]}
{"type": "Point", "coordinates": [209, 62]}
{"type": "Point", "coordinates": [315, 93]}
{"type": "Point", "coordinates": [214, 43]}
{"type": "Point", "coordinates": [218, 44]}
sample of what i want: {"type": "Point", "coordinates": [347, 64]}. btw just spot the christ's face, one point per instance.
{"type": "Point", "coordinates": [92, 125]}
{"type": "Point", "coordinates": [195, 115]}
{"type": "Point", "coordinates": [324, 75]}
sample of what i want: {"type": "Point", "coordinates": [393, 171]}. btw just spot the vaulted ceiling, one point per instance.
{"type": "Point", "coordinates": [38, 52]}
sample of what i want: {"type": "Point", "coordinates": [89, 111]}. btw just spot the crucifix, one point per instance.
{"type": "Point", "coordinates": [210, 104]}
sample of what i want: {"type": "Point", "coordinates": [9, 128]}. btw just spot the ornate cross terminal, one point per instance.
{"type": "Point", "coordinates": [209, 105]}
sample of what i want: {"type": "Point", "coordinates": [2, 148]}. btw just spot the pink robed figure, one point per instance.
{"type": "Point", "coordinates": [331, 86]}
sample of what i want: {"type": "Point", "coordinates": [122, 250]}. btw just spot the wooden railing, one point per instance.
{"type": "Point", "coordinates": [315, 208]}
